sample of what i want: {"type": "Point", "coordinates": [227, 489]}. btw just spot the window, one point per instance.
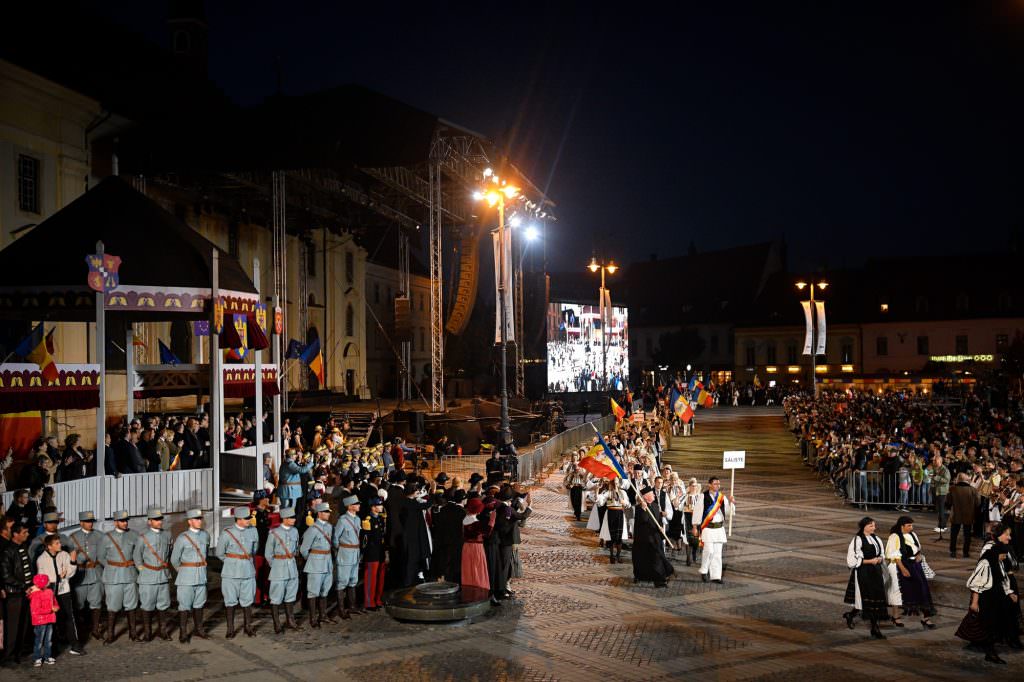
{"type": "Point", "coordinates": [1002, 342]}
{"type": "Point", "coordinates": [233, 239]}
{"type": "Point", "coordinates": [962, 302]}
{"type": "Point", "coordinates": [770, 353]}
{"type": "Point", "coordinates": [882, 345]}
{"type": "Point", "coordinates": [846, 351]}
{"type": "Point", "coordinates": [751, 355]}
{"type": "Point", "coordinates": [376, 292]}
{"type": "Point", "coordinates": [28, 184]}
{"type": "Point", "coordinates": [350, 267]}
{"type": "Point", "coordinates": [791, 353]}
{"type": "Point", "coordinates": [310, 259]}
{"type": "Point", "coordinates": [922, 345]}
{"type": "Point", "coordinates": [182, 42]}
{"type": "Point", "coordinates": [350, 321]}
{"type": "Point", "coordinates": [961, 344]}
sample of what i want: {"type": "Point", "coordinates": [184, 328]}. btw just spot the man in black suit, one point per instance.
{"type": "Point", "coordinates": [506, 527]}
{"type": "Point", "coordinates": [190, 451]}
{"type": "Point", "coordinates": [415, 540]}
{"type": "Point", "coordinates": [447, 535]}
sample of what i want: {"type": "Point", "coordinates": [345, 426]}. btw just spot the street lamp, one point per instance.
{"type": "Point", "coordinates": [605, 311]}
{"type": "Point", "coordinates": [822, 285]}
{"type": "Point", "coordinates": [495, 193]}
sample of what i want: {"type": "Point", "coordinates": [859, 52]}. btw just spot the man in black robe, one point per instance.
{"type": "Point", "coordinates": [415, 541]}
{"type": "Point", "coordinates": [446, 561]}
{"type": "Point", "coordinates": [649, 560]}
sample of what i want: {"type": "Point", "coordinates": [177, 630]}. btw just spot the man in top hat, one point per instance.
{"type": "Point", "coordinates": [236, 547]}
{"type": "Point", "coordinates": [290, 487]}
{"type": "Point", "coordinates": [373, 542]}
{"type": "Point", "coordinates": [189, 559]}
{"type": "Point", "coordinates": [50, 522]}
{"type": "Point", "coordinates": [119, 574]}
{"type": "Point", "coordinates": [506, 524]}
{"type": "Point", "coordinates": [415, 539]}
{"type": "Point", "coordinates": [649, 560]}
{"type": "Point", "coordinates": [346, 542]}
{"type": "Point", "coordinates": [280, 552]}
{"type": "Point", "coordinates": [151, 554]}
{"type": "Point", "coordinates": [88, 580]}
{"type": "Point", "coordinates": [446, 561]}
{"type": "Point", "coordinates": [316, 550]}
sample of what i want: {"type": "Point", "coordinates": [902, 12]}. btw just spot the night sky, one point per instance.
{"type": "Point", "coordinates": [850, 129]}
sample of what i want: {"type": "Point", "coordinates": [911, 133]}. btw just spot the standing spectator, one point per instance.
{"type": "Point", "coordinates": [37, 475]}
{"type": "Point", "coordinates": [940, 478]}
{"type": "Point", "coordinates": [72, 463]}
{"type": "Point", "coordinates": [964, 500]}
{"type": "Point", "coordinates": [15, 579]}
{"type": "Point", "coordinates": [44, 610]}
{"type": "Point", "coordinates": [59, 567]}
{"type": "Point", "coordinates": [148, 450]}
{"type": "Point", "coordinates": [110, 457]}
{"type": "Point", "coordinates": [190, 451]}
{"type": "Point", "coordinates": [24, 511]}
{"type": "Point", "coordinates": [5, 462]}
{"type": "Point", "coordinates": [166, 448]}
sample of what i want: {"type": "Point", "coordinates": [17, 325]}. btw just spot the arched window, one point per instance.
{"type": "Point", "coordinates": [182, 42]}
{"type": "Point", "coordinates": [350, 321]}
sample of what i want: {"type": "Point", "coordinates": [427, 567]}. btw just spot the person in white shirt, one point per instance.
{"type": "Point", "coordinates": [716, 507]}
{"type": "Point", "coordinates": [59, 566]}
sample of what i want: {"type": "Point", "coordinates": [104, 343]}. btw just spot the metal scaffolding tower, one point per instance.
{"type": "Point", "coordinates": [436, 208]}
{"type": "Point", "coordinates": [405, 375]}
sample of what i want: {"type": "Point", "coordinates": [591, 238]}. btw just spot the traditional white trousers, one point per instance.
{"type": "Point", "coordinates": [714, 540]}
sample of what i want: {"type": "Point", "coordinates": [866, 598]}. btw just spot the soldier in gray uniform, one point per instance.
{"type": "Point", "coordinates": [189, 559]}
{"type": "Point", "coordinates": [346, 543]}
{"type": "Point", "coordinates": [236, 547]}
{"type": "Point", "coordinates": [151, 555]}
{"type": "Point", "coordinates": [88, 579]}
{"type": "Point", "coordinates": [119, 574]}
{"type": "Point", "coordinates": [316, 550]}
{"type": "Point", "coordinates": [281, 550]}
{"type": "Point", "coordinates": [50, 522]}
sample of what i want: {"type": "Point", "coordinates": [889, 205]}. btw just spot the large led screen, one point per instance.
{"type": "Point", "coordinates": [574, 352]}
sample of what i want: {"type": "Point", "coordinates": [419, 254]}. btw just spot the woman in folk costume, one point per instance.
{"type": "Point", "coordinates": [676, 496]}
{"type": "Point", "coordinates": [866, 589]}
{"type": "Point", "coordinates": [903, 548]}
{"type": "Point", "coordinates": [994, 610]}
{"type": "Point", "coordinates": [613, 529]}
{"type": "Point", "coordinates": [477, 526]}
{"type": "Point", "coordinates": [692, 503]}
{"type": "Point", "coordinates": [595, 487]}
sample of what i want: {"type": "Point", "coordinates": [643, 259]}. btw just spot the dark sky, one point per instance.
{"type": "Point", "coordinates": [852, 129]}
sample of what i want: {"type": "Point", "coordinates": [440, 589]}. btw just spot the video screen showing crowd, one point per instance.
{"type": "Point", "coordinates": [576, 363]}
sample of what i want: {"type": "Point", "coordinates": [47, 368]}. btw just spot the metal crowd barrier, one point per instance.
{"type": "Point", "coordinates": [877, 488]}
{"type": "Point", "coordinates": [532, 463]}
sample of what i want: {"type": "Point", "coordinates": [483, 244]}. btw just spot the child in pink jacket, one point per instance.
{"type": "Point", "coordinates": [43, 606]}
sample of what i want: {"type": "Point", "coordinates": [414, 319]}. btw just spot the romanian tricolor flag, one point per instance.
{"type": "Point", "coordinates": [709, 400]}
{"type": "Point", "coordinates": [703, 397]}
{"type": "Point", "coordinates": [315, 359]}
{"type": "Point", "coordinates": [617, 410]}
{"type": "Point", "coordinates": [39, 349]}
{"type": "Point", "coordinates": [681, 407]}
{"type": "Point", "coordinates": [600, 461]}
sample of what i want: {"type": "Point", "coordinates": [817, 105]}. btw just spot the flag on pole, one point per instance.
{"type": "Point", "coordinates": [611, 459]}
{"type": "Point", "coordinates": [38, 348]}
{"type": "Point", "coordinates": [681, 407]}
{"type": "Point", "coordinates": [315, 360]}
{"type": "Point", "coordinates": [617, 410]}
{"type": "Point", "coordinates": [597, 463]}
{"type": "Point", "coordinates": [137, 341]}
{"type": "Point", "coordinates": [167, 356]}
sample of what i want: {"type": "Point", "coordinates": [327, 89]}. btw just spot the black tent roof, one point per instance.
{"type": "Point", "coordinates": [156, 249]}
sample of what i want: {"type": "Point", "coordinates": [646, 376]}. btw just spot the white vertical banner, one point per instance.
{"type": "Point", "coordinates": [509, 312]}
{"type": "Point", "coordinates": [810, 326]}
{"type": "Point", "coordinates": [820, 312]}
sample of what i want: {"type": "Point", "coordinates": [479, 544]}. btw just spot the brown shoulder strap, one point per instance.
{"type": "Point", "coordinates": [110, 536]}
{"type": "Point", "coordinates": [80, 548]}
{"type": "Point", "coordinates": [199, 553]}
{"type": "Point", "coordinates": [232, 536]}
{"type": "Point", "coordinates": [163, 564]}
{"type": "Point", "coordinates": [317, 529]}
{"type": "Point", "coordinates": [281, 542]}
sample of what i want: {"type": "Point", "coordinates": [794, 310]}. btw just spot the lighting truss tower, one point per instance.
{"type": "Point", "coordinates": [405, 285]}
{"type": "Point", "coordinates": [436, 280]}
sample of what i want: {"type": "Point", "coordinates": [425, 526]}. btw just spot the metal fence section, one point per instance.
{"type": "Point", "coordinates": [532, 463]}
{"type": "Point", "coordinates": [453, 465]}
{"type": "Point", "coordinates": [172, 491]}
{"type": "Point", "coordinates": [878, 488]}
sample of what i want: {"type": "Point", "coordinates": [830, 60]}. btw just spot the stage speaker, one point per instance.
{"type": "Point", "coordinates": [417, 423]}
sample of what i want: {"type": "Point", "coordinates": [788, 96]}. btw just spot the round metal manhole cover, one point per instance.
{"type": "Point", "coordinates": [438, 590]}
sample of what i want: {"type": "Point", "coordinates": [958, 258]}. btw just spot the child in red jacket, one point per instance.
{"type": "Point", "coordinates": [43, 606]}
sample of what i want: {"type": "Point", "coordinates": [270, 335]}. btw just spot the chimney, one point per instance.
{"type": "Point", "coordinates": [186, 25]}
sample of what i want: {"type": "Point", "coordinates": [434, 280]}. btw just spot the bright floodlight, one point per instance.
{"type": "Point", "coordinates": [488, 172]}
{"type": "Point", "coordinates": [532, 233]}
{"type": "Point", "coordinates": [801, 285]}
{"type": "Point", "coordinates": [478, 195]}
{"type": "Point", "coordinates": [822, 284]}
{"type": "Point", "coordinates": [515, 221]}
{"type": "Point", "coordinates": [611, 267]}
{"type": "Point", "coordinates": [594, 267]}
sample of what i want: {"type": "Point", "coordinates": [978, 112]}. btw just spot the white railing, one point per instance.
{"type": "Point", "coordinates": [172, 491]}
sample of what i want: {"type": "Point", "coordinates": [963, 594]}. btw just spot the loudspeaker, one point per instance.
{"type": "Point", "coordinates": [417, 423]}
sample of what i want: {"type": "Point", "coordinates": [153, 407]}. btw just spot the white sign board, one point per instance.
{"type": "Point", "coordinates": [734, 459]}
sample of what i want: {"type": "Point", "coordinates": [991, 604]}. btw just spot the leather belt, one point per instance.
{"type": "Point", "coordinates": [91, 564]}
{"type": "Point", "coordinates": [715, 525]}
{"type": "Point", "coordinates": [121, 564]}
{"type": "Point", "coordinates": [229, 555]}
{"type": "Point", "coordinates": [153, 568]}
{"type": "Point", "coordinates": [284, 556]}
{"type": "Point", "coordinates": [193, 564]}
{"type": "Point", "coordinates": [342, 544]}
{"type": "Point", "coordinates": [319, 551]}
{"type": "Point", "coordinates": [294, 483]}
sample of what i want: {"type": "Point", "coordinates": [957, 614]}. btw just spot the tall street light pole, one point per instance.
{"type": "Point", "coordinates": [605, 313]}
{"type": "Point", "coordinates": [814, 332]}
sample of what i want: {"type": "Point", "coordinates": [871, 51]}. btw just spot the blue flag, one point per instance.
{"type": "Point", "coordinates": [167, 357]}
{"type": "Point", "coordinates": [295, 350]}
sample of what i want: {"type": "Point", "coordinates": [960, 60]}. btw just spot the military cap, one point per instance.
{"type": "Point", "coordinates": [155, 513]}
{"type": "Point", "coordinates": [322, 507]}
{"type": "Point", "coordinates": [120, 515]}
{"type": "Point", "coordinates": [241, 513]}
{"type": "Point", "coordinates": [194, 514]}
{"type": "Point", "coordinates": [51, 517]}
{"type": "Point", "coordinates": [376, 501]}
{"type": "Point", "coordinates": [351, 499]}
{"type": "Point", "coordinates": [288, 513]}
{"type": "Point", "coordinates": [86, 516]}
{"type": "Point", "coordinates": [441, 477]}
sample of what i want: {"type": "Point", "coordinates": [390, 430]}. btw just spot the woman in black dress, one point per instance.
{"type": "Point", "coordinates": [993, 614]}
{"type": "Point", "coordinates": [866, 589]}
{"type": "Point", "coordinates": [904, 548]}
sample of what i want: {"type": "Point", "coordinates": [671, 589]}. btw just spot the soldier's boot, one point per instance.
{"type": "Point", "coordinates": [247, 622]}
{"type": "Point", "coordinates": [275, 613]}
{"type": "Point", "coordinates": [97, 626]}
{"type": "Point", "coordinates": [324, 615]}
{"type": "Point", "coordinates": [314, 620]}
{"type": "Point", "coordinates": [111, 626]}
{"type": "Point", "coordinates": [164, 623]}
{"type": "Point", "coordinates": [197, 624]}
{"type": "Point", "coordinates": [231, 621]}
{"type": "Point", "coordinates": [147, 626]}
{"type": "Point", "coordinates": [289, 612]}
{"type": "Point", "coordinates": [133, 626]}
{"type": "Point", "coordinates": [353, 601]}
{"type": "Point", "coordinates": [183, 635]}
{"type": "Point", "coordinates": [342, 597]}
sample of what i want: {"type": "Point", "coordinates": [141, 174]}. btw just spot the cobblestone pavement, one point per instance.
{"type": "Point", "coordinates": [576, 617]}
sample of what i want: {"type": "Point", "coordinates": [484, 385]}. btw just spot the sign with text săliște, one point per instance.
{"type": "Point", "coordinates": [734, 459]}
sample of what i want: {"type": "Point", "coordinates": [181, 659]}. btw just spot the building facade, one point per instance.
{"type": "Point", "coordinates": [383, 363]}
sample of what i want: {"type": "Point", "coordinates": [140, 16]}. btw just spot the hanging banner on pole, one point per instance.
{"type": "Point", "coordinates": [810, 326]}
{"type": "Point", "coordinates": [819, 309]}
{"type": "Point", "coordinates": [509, 311]}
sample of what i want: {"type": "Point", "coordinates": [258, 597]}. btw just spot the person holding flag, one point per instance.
{"type": "Point", "coordinates": [716, 507]}
{"type": "Point", "coordinates": [618, 411]}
